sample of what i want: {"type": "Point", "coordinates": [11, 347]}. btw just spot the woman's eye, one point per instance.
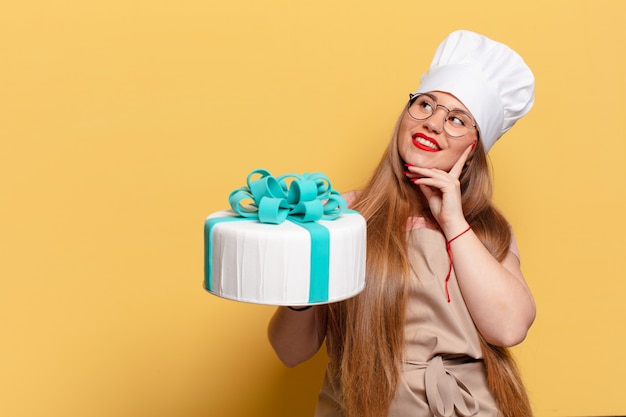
{"type": "Point", "coordinates": [427, 106]}
{"type": "Point", "coordinates": [458, 120]}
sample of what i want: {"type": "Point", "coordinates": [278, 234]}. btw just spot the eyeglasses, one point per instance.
{"type": "Point", "coordinates": [457, 122]}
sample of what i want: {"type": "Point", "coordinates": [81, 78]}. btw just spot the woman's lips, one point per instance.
{"type": "Point", "coordinates": [425, 143]}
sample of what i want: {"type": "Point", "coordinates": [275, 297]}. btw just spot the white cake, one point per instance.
{"type": "Point", "coordinates": [286, 263]}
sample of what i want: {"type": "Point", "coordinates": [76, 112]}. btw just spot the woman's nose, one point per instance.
{"type": "Point", "coordinates": [436, 121]}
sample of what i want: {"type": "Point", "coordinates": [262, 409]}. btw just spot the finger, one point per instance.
{"type": "Point", "coordinates": [429, 186]}
{"type": "Point", "coordinates": [408, 168]}
{"type": "Point", "coordinates": [427, 191]}
{"type": "Point", "coordinates": [410, 175]}
{"type": "Point", "coordinates": [458, 166]}
{"type": "Point", "coordinates": [434, 177]}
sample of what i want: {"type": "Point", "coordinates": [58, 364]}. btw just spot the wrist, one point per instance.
{"type": "Point", "coordinates": [300, 308]}
{"type": "Point", "coordinates": [458, 235]}
{"type": "Point", "coordinates": [453, 230]}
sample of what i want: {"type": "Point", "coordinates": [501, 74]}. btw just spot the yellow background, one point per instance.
{"type": "Point", "coordinates": [124, 123]}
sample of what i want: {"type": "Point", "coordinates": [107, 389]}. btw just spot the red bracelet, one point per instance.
{"type": "Point", "coordinates": [450, 256]}
{"type": "Point", "coordinates": [459, 235]}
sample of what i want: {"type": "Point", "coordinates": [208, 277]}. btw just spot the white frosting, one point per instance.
{"type": "Point", "coordinates": [270, 264]}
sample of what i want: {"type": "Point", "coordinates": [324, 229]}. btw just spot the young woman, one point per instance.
{"type": "Point", "coordinates": [445, 295]}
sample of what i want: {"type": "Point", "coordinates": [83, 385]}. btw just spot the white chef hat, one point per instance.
{"type": "Point", "coordinates": [488, 77]}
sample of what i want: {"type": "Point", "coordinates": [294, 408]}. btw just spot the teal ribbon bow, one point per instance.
{"type": "Point", "coordinates": [301, 198]}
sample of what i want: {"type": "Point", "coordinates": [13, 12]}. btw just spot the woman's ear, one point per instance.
{"type": "Point", "coordinates": [471, 154]}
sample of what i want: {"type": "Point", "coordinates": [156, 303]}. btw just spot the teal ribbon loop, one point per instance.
{"type": "Point", "coordinates": [299, 198]}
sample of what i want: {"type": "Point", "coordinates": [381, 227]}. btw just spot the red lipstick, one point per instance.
{"type": "Point", "coordinates": [425, 147]}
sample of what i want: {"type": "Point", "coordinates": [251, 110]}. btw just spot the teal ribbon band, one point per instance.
{"type": "Point", "coordinates": [303, 200]}
{"type": "Point", "coordinates": [320, 262]}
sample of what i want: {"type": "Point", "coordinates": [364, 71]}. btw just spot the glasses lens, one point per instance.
{"type": "Point", "coordinates": [422, 107]}
{"type": "Point", "coordinates": [458, 123]}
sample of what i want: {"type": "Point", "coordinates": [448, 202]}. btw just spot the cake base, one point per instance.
{"type": "Point", "coordinates": [290, 263]}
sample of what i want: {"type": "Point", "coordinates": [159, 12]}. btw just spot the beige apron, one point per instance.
{"type": "Point", "coordinates": [443, 374]}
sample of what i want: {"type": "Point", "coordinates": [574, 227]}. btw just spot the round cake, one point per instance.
{"type": "Point", "coordinates": [295, 261]}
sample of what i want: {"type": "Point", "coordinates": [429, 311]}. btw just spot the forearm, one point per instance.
{"type": "Point", "coordinates": [495, 292]}
{"type": "Point", "coordinates": [297, 335]}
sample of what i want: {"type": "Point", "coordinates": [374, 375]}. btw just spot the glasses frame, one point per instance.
{"type": "Point", "coordinates": [412, 98]}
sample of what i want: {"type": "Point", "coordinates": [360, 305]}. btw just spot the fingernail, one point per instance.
{"type": "Point", "coordinates": [474, 145]}
{"type": "Point", "coordinates": [408, 165]}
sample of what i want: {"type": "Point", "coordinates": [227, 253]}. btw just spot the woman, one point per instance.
{"type": "Point", "coordinates": [445, 295]}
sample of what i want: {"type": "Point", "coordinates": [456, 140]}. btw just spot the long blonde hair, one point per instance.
{"type": "Point", "coordinates": [366, 333]}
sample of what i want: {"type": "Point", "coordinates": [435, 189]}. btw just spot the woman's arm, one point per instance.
{"type": "Point", "coordinates": [297, 335]}
{"type": "Point", "coordinates": [495, 293]}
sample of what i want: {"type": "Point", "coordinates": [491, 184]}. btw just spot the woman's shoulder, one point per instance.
{"type": "Point", "coordinates": [351, 197]}
{"type": "Point", "coordinates": [412, 222]}
{"type": "Point", "coordinates": [513, 245]}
